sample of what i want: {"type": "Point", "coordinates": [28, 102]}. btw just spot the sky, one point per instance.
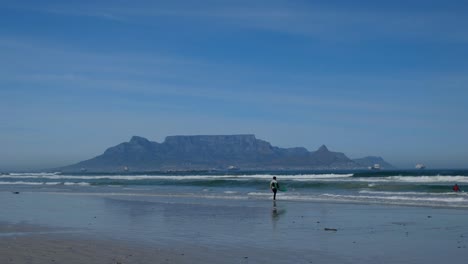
{"type": "Point", "coordinates": [381, 78]}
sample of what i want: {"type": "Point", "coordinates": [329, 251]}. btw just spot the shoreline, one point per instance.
{"type": "Point", "coordinates": [243, 198]}
{"type": "Point", "coordinates": [407, 189]}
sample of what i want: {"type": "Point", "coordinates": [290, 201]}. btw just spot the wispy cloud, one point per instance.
{"type": "Point", "coordinates": [167, 75]}
{"type": "Point", "coordinates": [293, 72]}
{"type": "Point", "coordinates": [317, 20]}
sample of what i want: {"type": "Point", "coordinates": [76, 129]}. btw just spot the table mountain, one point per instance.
{"type": "Point", "coordinates": [208, 152]}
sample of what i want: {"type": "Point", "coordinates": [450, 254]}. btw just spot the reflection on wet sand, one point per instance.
{"type": "Point", "coordinates": [276, 214]}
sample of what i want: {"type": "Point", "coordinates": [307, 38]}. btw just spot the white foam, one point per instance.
{"type": "Point", "coordinates": [260, 193]}
{"type": "Point", "coordinates": [399, 198]}
{"type": "Point", "coordinates": [299, 177]}
{"type": "Point", "coordinates": [414, 193]}
{"type": "Point", "coordinates": [21, 183]}
{"type": "Point", "coordinates": [393, 199]}
{"type": "Point", "coordinates": [395, 179]}
{"type": "Point", "coordinates": [456, 202]}
{"type": "Point", "coordinates": [230, 192]}
{"type": "Point", "coordinates": [230, 197]}
{"type": "Point", "coordinates": [33, 174]}
{"type": "Point", "coordinates": [77, 183]}
{"type": "Point", "coordinates": [207, 196]}
{"type": "Point", "coordinates": [52, 183]}
{"type": "Point", "coordinates": [416, 179]}
{"type": "Point", "coordinates": [429, 179]}
{"type": "Point", "coordinates": [44, 183]}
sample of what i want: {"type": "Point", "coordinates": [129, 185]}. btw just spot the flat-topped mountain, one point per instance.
{"type": "Point", "coordinates": [208, 152]}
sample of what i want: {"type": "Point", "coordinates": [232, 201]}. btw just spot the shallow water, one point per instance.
{"type": "Point", "coordinates": [416, 188]}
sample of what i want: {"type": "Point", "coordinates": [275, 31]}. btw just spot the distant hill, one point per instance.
{"type": "Point", "coordinates": [371, 160]}
{"type": "Point", "coordinates": [211, 152]}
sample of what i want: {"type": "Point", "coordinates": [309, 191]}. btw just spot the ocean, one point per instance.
{"type": "Point", "coordinates": [431, 188]}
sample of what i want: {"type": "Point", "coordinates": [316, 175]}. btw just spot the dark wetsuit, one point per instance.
{"type": "Point", "coordinates": [274, 188]}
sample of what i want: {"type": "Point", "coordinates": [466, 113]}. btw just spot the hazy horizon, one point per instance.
{"type": "Point", "coordinates": [37, 169]}
{"type": "Point", "coordinates": [384, 79]}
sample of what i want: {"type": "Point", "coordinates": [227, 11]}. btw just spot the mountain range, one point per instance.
{"type": "Point", "coordinates": [216, 152]}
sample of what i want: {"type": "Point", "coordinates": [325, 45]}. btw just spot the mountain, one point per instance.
{"type": "Point", "coordinates": [208, 152]}
{"type": "Point", "coordinates": [371, 160]}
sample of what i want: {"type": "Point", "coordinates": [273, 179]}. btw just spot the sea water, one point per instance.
{"type": "Point", "coordinates": [411, 187]}
{"type": "Point", "coordinates": [380, 216]}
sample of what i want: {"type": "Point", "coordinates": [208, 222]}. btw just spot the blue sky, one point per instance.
{"type": "Point", "coordinates": [386, 78]}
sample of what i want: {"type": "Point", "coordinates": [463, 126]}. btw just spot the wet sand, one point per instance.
{"type": "Point", "coordinates": [101, 228]}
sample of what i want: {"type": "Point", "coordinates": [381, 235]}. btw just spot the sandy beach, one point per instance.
{"type": "Point", "coordinates": [47, 227]}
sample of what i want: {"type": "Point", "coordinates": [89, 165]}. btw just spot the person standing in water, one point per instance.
{"type": "Point", "coordinates": [274, 186]}
{"type": "Point", "coordinates": [455, 188]}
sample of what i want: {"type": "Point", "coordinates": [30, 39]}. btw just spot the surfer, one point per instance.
{"type": "Point", "coordinates": [274, 186]}
{"type": "Point", "coordinates": [455, 188]}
